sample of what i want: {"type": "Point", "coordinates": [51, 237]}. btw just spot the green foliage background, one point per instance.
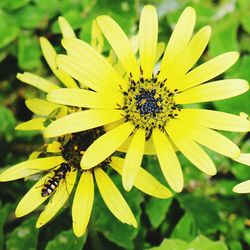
{"type": "Point", "coordinates": [206, 215]}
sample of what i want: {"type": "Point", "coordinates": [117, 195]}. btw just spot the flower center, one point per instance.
{"type": "Point", "coordinates": [149, 104]}
{"type": "Point", "coordinates": [74, 146]}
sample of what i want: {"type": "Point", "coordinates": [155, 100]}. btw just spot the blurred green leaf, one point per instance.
{"type": "Point", "coordinates": [207, 219]}
{"type": "Point", "coordinates": [50, 8]}
{"type": "Point", "coordinates": [224, 187]}
{"type": "Point", "coordinates": [244, 8]}
{"type": "Point", "coordinates": [24, 236]}
{"type": "Point", "coordinates": [14, 4]}
{"type": "Point", "coordinates": [200, 243]}
{"type": "Point", "coordinates": [235, 245]}
{"type": "Point", "coordinates": [156, 210]}
{"type": "Point", "coordinates": [171, 245]}
{"type": "Point", "coordinates": [224, 30]}
{"type": "Point", "coordinates": [9, 29]}
{"type": "Point", "coordinates": [29, 51]}
{"type": "Point", "coordinates": [203, 243]}
{"type": "Point", "coordinates": [66, 240]}
{"type": "Point", "coordinates": [123, 12]}
{"type": "Point", "coordinates": [240, 171]}
{"type": "Point", "coordinates": [4, 211]}
{"type": "Point", "coordinates": [8, 122]}
{"type": "Point", "coordinates": [30, 17]}
{"type": "Point", "coordinates": [185, 229]}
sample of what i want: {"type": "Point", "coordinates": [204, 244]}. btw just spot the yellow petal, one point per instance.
{"type": "Point", "coordinates": [169, 163]}
{"type": "Point", "coordinates": [178, 41]}
{"type": "Point", "coordinates": [25, 206]}
{"type": "Point", "coordinates": [54, 147]}
{"type": "Point", "coordinates": [133, 159]}
{"type": "Point", "coordinates": [144, 181]}
{"type": "Point", "coordinates": [65, 28]}
{"type": "Point", "coordinates": [30, 167]}
{"type": "Point", "coordinates": [113, 198]}
{"type": "Point", "coordinates": [50, 56]}
{"type": "Point", "coordinates": [207, 71]}
{"type": "Point", "coordinates": [190, 55]}
{"type": "Point", "coordinates": [40, 106]}
{"type": "Point", "coordinates": [89, 77]}
{"type": "Point", "coordinates": [134, 41]}
{"type": "Point", "coordinates": [106, 145]}
{"type": "Point", "coordinates": [120, 44]}
{"type": "Point", "coordinates": [97, 40]}
{"type": "Point", "coordinates": [34, 155]}
{"type": "Point", "coordinates": [213, 91]}
{"type": "Point", "coordinates": [33, 124]}
{"type": "Point", "coordinates": [191, 150]}
{"type": "Point", "coordinates": [159, 51]}
{"type": "Point", "coordinates": [83, 203]}
{"type": "Point", "coordinates": [59, 198]}
{"type": "Point", "coordinates": [243, 187]}
{"type": "Point", "coordinates": [208, 138]}
{"type": "Point", "coordinates": [244, 158]}
{"type": "Point", "coordinates": [81, 121]}
{"type": "Point", "coordinates": [148, 32]}
{"type": "Point", "coordinates": [149, 148]}
{"type": "Point", "coordinates": [37, 81]}
{"type": "Point", "coordinates": [81, 98]}
{"type": "Point", "coordinates": [215, 119]}
{"type": "Point", "coordinates": [91, 62]}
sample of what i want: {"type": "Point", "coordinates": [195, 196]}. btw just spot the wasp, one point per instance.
{"type": "Point", "coordinates": [59, 174]}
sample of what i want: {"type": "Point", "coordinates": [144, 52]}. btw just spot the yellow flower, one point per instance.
{"type": "Point", "coordinates": [61, 173]}
{"type": "Point", "coordinates": [147, 108]}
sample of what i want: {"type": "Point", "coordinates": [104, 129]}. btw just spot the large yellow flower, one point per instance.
{"type": "Point", "coordinates": [145, 107]}
{"type": "Point", "coordinates": [61, 163]}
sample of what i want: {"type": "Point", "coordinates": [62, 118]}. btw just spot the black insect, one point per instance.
{"type": "Point", "coordinates": [59, 174]}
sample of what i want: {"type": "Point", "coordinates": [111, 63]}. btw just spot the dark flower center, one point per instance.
{"type": "Point", "coordinates": [149, 104]}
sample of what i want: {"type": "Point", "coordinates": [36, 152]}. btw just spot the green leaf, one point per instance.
{"type": "Point", "coordinates": [224, 30]}
{"type": "Point", "coordinates": [172, 245]}
{"type": "Point", "coordinates": [29, 51]}
{"type": "Point", "coordinates": [186, 228]}
{"type": "Point", "coordinates": [9, 29]}
{"type": "Point", "coordinates": [203, 243]}
{"type": "Point", "coordinates": [235, 245]}
{"type": "Point", "coordinates": [24, 236]}
{"type": "Point", "coordinates": [15, 4]}
{"type": "Point", "coordinates": [224, 187]}
{"type": "Point", "coordinates": [4, 211]}
{"type": "Point", "coordinates": [123, 12]}
{"type": "Point", "coordinates": [30, 17]}
{"type": "Point", "coordinates": [49, 7]}
{"type": "Point", "coordinates": [200, 243]}
{"type": "Point", "coordinates": [207, 219]}
{"type": "Point", "coordinates": [244, 8]}
{"type": "Point", "coordinates": [8, 122]}
{"type": "Point", "coordinates": [66, 240]}
{"type": "Point", "coordinates": [156, 210]}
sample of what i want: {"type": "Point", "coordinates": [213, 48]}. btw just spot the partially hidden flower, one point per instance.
{"type": "Point", "coordinates": [146, 107]}
{"type": "Point", "coordinates": [243, 187]}
{"type": "Point", "coordinates": [59, 162]}
{"type": "Point", "coordinates": [46, 111]}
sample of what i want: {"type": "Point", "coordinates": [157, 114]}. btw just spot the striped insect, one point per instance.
{"type": "Point", "coordinates": [59, 174]}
